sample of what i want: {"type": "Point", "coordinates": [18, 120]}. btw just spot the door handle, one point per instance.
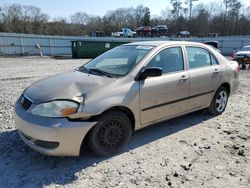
{"type": "Point", "coordinates": [216, 70]}
{"type": "Point", "coordinates": [183, 78]}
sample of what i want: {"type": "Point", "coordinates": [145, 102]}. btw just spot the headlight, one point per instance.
{"type": "Point", "coordinates": [55, 109]}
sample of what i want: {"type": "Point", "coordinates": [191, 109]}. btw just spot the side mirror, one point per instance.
{"type": "Point", "coordinates": [149, 72]}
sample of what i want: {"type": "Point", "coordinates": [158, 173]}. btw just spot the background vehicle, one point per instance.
{"type": "Point", "coordinates": [97, 34]}
{"type": "Point", "coordinates": [125, 32]}
{"type": "Point", "coordinates": [159, 30]}
{"type": "Point", "coordinates": [181, 34]}
{"type": "Point", "coordinates": [143, 31]}
{"type": "Point", "coordinates": [243, 57]}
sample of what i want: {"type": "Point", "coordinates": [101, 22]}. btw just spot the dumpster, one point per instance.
{"type": "Point", "coordinates": [91, 49]}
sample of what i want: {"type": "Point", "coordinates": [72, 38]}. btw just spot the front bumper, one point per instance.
{"type": "Point", "coordinates": [59, 136]}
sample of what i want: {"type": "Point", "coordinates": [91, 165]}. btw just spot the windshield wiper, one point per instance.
{"type": "Point", "coordinates": [83, 69]}
{"type": "Point", "coordinates": [100, 72]}
{"type": "Point", "coordinates": [91, 71]}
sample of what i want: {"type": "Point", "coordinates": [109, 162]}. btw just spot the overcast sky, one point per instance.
{"type": "Point", "coordinates": [64, 8]}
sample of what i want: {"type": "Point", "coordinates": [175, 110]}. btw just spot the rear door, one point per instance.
{"type": "Point", "coordinates": [162, 97]}
{"type": "Point", "coordinates": [205, 75]}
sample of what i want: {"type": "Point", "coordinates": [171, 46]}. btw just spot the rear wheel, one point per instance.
{"type": "Point", "coordinates": [219, 102]}
{"type": "Point", "coordinates": [111, 134]}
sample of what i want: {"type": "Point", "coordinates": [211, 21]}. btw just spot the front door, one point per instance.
{"type": "Point", "coordinates": [164, 96]}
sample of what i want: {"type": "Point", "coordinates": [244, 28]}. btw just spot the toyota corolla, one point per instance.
{"type": "Point", "coordinates": [125, 89]}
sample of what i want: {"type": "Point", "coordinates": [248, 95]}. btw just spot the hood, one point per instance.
{"type": "Point", "coordinates": [64, 86]}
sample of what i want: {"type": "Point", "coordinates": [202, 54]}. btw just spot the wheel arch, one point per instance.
{"type": "Point", "coordinates": [123, 109]}
{"type": "Point", "coordinates": [227, 86]}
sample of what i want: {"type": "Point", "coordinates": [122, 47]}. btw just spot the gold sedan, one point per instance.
{"type": "Point", "coordinates": [125, 89]}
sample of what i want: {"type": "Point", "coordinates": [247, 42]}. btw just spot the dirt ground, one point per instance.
{"type": "Point", "coordinates": [196, 150]}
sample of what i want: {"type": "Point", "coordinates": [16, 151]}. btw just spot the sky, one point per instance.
{"type": "Point", "coordinates": [65, 8]}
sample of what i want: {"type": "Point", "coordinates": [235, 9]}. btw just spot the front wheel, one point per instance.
{"type": "Point", "coordinates": [111, 134]}
{"type": "Point", "coordinates": [219, 102]}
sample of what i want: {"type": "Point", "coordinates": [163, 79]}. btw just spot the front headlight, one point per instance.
{"type": "Point", "coordinates": [55, 109]}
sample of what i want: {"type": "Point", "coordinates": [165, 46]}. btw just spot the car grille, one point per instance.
{"type": "Point", "coordinates": [25, 103]}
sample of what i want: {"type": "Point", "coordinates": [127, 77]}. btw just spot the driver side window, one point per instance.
{"type": "Point", "coordinates": [169, 60]}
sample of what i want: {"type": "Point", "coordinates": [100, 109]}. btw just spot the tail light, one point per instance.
{"type": "Point", "coordinates": [238, 68]}
{"type": "Point", "coordinates": [237, 72]}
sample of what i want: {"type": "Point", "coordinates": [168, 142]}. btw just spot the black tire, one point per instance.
{"type": "Point", "coordinates": [243, 66]}
{"type": "Point", "coordinates": [111, 134]}
{"type": "Point", "coordinates": [219, 102]}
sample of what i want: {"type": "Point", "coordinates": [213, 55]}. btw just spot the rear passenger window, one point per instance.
{"type": "Point", "coordinates": [169, 60]}
{"type": "Point", "coordinates": [199, 57]}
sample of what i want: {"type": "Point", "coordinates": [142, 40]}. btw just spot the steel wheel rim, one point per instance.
{"type": "Point", "coordinates": [221, 101]}
{"type": "Point", "coordinates": [111, 134]}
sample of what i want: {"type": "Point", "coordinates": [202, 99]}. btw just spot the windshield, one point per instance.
{"type": "Point", "coordinates": [246, 48]}
{"type": "Point", "coordinates": [116, 62]}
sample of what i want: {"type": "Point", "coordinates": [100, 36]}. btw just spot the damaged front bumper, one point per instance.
{"type": "Point", "coordinates": [51, 136]}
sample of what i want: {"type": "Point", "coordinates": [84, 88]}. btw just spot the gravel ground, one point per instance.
{"type": "Point", "coordinates": [196, 150]}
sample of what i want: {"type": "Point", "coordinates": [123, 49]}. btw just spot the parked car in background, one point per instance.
{"type": "Point", "coordinates": [159, 30]}
{"type": "Point", "coordinates": [125, 89]}
{"type": "Point", "coordinates": [143, 31]}
{"type": "Point", "coordinates": [243, 56]}
{"type": "Point", "coordinates": [97, 34]}
{"type": "Point", "coordinates": [125, 32]}
{"type": "Point", "coordinates": [181, 34]}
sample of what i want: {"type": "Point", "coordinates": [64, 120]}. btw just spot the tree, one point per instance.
{"type": "Point", "coordinates": [80, 18]}
{"type": "Point", "coordinates": [142, 16]}
{"type": "Point", "coordinates": [190, 5]}
{"type": "Point", "coordinates": [229, 17]}
{"type": "Point", "coordinates": [146, 17]}
{"type": "Point", "coordinates": [12, 17]}
{"type": "Point", "coordinates": [1, 20]}
{"type": "Point", "coordinates": [177, 7]}
{"type": "Point", "coordinates": [35, 18]}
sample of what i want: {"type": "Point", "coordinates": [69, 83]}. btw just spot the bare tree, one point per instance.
{"type": "Point", "coordinates": [228, 17]}
{"type": "Point", "coordinates": [79, 18]}
{"type": "Point", "coordinates": [177, 7]}
{"type": "Point", "coordinates": [190, 5]}
{"type": "Point", "coordinates": [11, 17]}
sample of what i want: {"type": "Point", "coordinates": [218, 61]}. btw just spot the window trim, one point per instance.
{"type": "Point", "coordinates": [217, 62]}
{"type": "Point", "coordinates": [204, 48]}
{"type": "Point", "coordinates": [164, 48]}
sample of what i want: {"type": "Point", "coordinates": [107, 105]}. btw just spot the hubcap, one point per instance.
{"type": "Point", "coordinates": [221, 101]}
{"type": "Point", "coordinates": [110, 135]}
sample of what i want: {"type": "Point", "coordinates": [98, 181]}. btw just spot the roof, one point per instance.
{"type": "Point", "coordinates": [159, 43]}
